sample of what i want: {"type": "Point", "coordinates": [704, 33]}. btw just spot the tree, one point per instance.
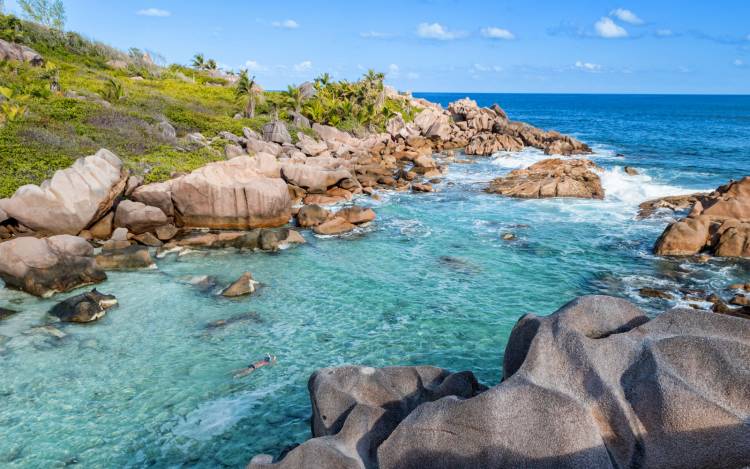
{"type": "Point", "coordinates": [248, 87]}
{"type": "Point", "coordinates": [293, 97]}
{"type": "Point", "coordinates": [211, 64]}
{"type": "Point", "coordinates": [199, 61]}
{"type": "Point", "coordinates": [50, 13]}
{"type": "Point", "coordinates": [323, 80]}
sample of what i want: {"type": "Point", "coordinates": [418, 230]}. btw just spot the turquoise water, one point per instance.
{"type": "Point", "coordinates": [430, 282]}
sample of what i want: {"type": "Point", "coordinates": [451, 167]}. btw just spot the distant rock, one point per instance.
{"type": "Point", "coordinates": [488, 143]}
{"type": "Point", "coordinates": [166, 130]}
{"type": "Point", "coordinates": [551, 178]}
{"type": "Point", "coordinates": [86, 307]}
{"type": "Point", "coordinates": [73, 199]}
{"type": "Point", "coordinates": [718, 223]}
{"type": "Point", "coordinates": [20, 53]}
{"type": "Point", "coordinates": [44, 267]}
{"type": "Point", "coordinates": [631, 171]}
{"type": "Point", "coordinates": [276, 132]}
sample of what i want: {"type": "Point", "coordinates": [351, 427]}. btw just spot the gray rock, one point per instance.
{"type": "Point", "coordinates": [307, 90]}
{"type": "Point", "coordinates": [250, 134]}
{"type": "Point", "coordinates": [230, 137]}
{"type": "Point", "coordinates": [233, 151]}
{"type": "Point", "coordinates": [128, 258]}
{"type": "Point", "coordinates": [21, 53]}
{"type": "Point", "coordinates": [196, 138]}
{"type": "Point", "coordinates": [86, 307]}
{"type": "Point", "coordinates": [299, 120]}
{"type": "Point", "coordinates": [355, 408]}
{"type": "Point", "coordinates": [596, 384]}
{"type": "Point", "coordinates": [166, 130]}
{"type": "Point", "coordinates": [276, 132]}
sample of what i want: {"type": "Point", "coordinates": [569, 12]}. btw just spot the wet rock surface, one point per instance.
{"type": "Point", "coordinates": [551, 178]}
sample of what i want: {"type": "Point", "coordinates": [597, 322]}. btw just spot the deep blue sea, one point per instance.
{"type": "Point", "coordinates": [430, 282]}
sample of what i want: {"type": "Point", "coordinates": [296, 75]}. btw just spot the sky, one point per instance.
{"type": "Point", "coordinates": [575, 46]}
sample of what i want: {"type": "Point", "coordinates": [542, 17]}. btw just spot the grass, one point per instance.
{"type": "Point", "coordinates": [78, 104]}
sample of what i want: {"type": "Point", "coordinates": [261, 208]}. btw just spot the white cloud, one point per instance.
{"type": "Point", "coordinates": [375, 35]}
{"type": "Point", "coordinates": [626, 16]}
{"type": "Point", "coordinates": [437, 31]}
{"type": "Point", "coordinates": [497, 33]}
{"type": "Point", "coordinates": [607, 28]}
{"type": "Point", "coordinates": [393, 70]}
{"type": "Point", "coordinates": [664, 32]}
{"type": "Point", "coordinates": [254, 66]}
{"type": "Point", "coordinates": [286, 24]}
{"type": "Point", "coordinates": [588, 66]}
{"type": "Point", "coordinates": [412, 75]}
{"type": "Point", "coordinates": [154, 12]}
{"type": "Point", "coordinates": [739, 62]}
{"type": "Point", "coordinates": [303, 66]}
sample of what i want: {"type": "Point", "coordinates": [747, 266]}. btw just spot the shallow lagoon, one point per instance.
{"type": "Point", "coordinates": [430, 282]}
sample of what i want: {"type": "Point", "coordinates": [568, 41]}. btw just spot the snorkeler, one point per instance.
{"type": "Point", "coordinates": [269, 360]}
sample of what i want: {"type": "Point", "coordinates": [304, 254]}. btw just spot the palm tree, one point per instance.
{"type": "Point", "coordinates": [199, 61]}
{"type": "Point", "coordinates": [248, 87]}
{"type": "Point", "coordinates": [293, 96]}
{"type": "Point", "coordinates": [323, 80]}
{"type": "Point", "coordinates": [211, 64]}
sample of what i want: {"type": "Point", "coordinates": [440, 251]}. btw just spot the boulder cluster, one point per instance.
{"type": "Point", "coordinates": [266, 180]}
{"type": "Point", "coordinates": [551, 178]}
{"type": "Point", "coordinates": [596, 384]}
{"type": "Point", "coordinates": [718, 223]}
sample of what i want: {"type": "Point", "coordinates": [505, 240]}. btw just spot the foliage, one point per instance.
{"type": "Point", "coordinates": [249, 88]}
{"type": "Point", "coordinates": [50, 13]}
{"type": "Point", "coordinates": [113, 91]}
{"type": "Point", "coordinates": [11, 105]}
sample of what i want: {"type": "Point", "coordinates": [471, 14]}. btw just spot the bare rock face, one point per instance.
{"type": "Point", "coordinates": [230, 195]}
{"type": "Point", "coordinates": [21, 53]}
{"type": "Point", "coordinates": [334, 226]}
{"type": "Point", "coordinates": [44, 267]}
{"type": "Point", "coordinates": [138, 217]}
{"type": "Point", "coordinates": [357, 215]}
{"type": "Point", "coordinates": [488, 143]}
{"type": "Point", "coordinates": [158, 194]}
{"type": "Point", "coordinates": [310, 146]}
{"type": "Point", "coordinates": [673, 203]}
{"type": "Point", "coordinates": [551, 178]}
{"type": "Point", "coordinates": [355, 408]}
{"type": "Point", "coordinates": [595, 384]}
{"type": "Point", "coordinates": [244, 285]}
{"type": "Point", "coordinates": [718, 223]}
{"type": "Point", "coordinates": [312, 215]}
{"type": "Point", "coordinates": [73, 199]}
{"type": "Point", "coordinates": [127, 258]}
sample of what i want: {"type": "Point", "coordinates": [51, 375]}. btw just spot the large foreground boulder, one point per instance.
{"type": "Point", "coordinates": [230, 194]}
{"type": "Point", "coordinates": [718, 223]}
{"type": "Point", "coordinates": [596, 384]}
{"type": "Point", "coordinates": [551, 178]}
{"type": "Point", "coordinates": [73, 199]}
{"type": "Point", "coordinates": [355, 408]}
{"type": "Point", "coordinates": [43, 267]}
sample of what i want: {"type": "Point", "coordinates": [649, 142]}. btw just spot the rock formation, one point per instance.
{"type": "Point", "coordinates": [86, 307]}
{"type": "Point", "coordinates": [596, 384]}
{"type": "Point", "coordinates": [73, 199]}
{"type": "Point", "coordinates": [19, 52]}
{"type": "Point", "coordinates": [718, 223]}
{"type": "Point", "coordinates": [551, 178]}
{"type": "Point", "coordinates": [44, 267]}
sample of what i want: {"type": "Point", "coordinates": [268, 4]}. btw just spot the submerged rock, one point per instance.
{"type": "Point", "coordinates": [44, 267]}
{"type": "Point", "coordinates": [551, 178]}
{"type": "Point", "coordinates": [5, 313]}
{"type": "Point", "coordinates": [244, 285]}
{"type": "Point", "coordinates": [73, 199]}
{"type": "Point", "coordinates": [86, 307]}
{"type": "Point", "coordinates": [596, 384]}
{"type": "Point", "coordinates": [129, 258]}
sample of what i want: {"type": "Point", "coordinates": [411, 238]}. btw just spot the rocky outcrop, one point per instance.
{"type": "Point", "coordinates": [355, 408]}
{"type": "Point", "coordinates": [86, 307]}
{"type": "Point", "coordinates": [20, 53]}
{"type": "Point", "coordinates": [596, 384]}
{"type": "Point", "coordinates": [551, 178]}
{"type": "Point", "coordinates": [718, 224]}
{"type": "Point", "coordinates": [672, 203]}
{"type": "Point", "coordinates": [313, 179]}
{"type": "Point", "coordinates": [73, 199]}
{"type": "Point", "coordinates": [44, 267]}
{"type": "Point", "coordinates": [126, 258]}
{"type": "Point", "coordinates": [259, 239]}
{"type": "Point", "coordinates": [231, 194]}
{"type": "Point", "coordinates": [488, 143]}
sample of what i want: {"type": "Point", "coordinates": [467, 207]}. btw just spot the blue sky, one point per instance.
{"type": "Point", "coordinates": [447, 45]}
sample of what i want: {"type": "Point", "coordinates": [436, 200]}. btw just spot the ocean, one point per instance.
{"type": "Point", "coordinates": [432, 281]}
